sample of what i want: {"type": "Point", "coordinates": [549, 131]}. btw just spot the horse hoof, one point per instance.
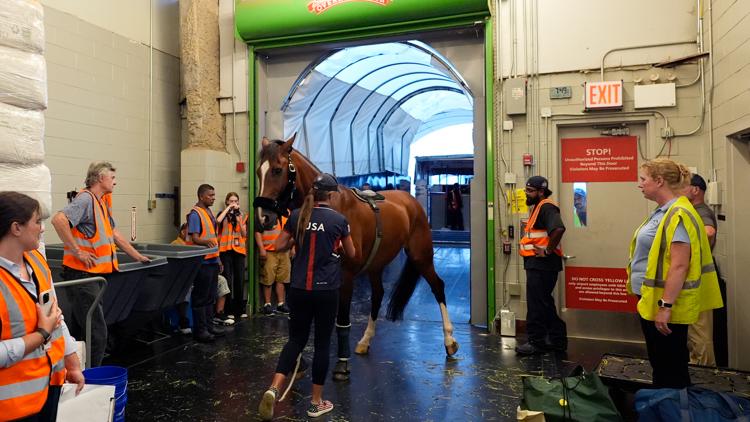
{"type": "Point", "coordinates": [341, 371]}
{"type": "Point", "coordinates": [361, 349]}
{"type": "Point", "coordinates": [452, 349]}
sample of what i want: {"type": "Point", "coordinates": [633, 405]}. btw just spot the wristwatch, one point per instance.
{"type": "Point", "coordinates": [663, 304]}
{"type": "Point", "coordinates": [45, 334]}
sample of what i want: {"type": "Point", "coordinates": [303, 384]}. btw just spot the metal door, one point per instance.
{"type": "Point", "coordinates": [613, 210]}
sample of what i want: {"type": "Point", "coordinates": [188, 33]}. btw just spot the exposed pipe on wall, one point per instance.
{"type": "Point", "coordinates": [636, 47]}
{"type": "Point", "coordinates": [150, 96]}
{"type": "Point", "coordinates": [699, 13]}
{"type": "Point", "coordinates": [711, 87]}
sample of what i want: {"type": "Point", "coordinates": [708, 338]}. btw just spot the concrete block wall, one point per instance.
{"type": "Point", "coordinates": [731, 114]}
{"type": "Point", "coordinates": [99, 110]}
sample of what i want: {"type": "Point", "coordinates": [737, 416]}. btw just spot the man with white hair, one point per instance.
{"type": "Point", "coordinates": [88, 231]}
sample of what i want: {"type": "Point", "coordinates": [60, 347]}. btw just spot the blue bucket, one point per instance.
{"type": "Point", "coordinates": [111, 375]}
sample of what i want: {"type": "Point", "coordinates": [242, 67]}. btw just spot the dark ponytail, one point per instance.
{"type": "Point", "coordinates": [304, 218]}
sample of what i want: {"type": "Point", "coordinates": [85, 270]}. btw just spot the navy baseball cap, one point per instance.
{"type": "Point", "coordinates": [539, 182]}
{"type": "Point", "coordinates": [698, 182]}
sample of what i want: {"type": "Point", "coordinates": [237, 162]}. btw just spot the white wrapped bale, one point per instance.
{"type": "Point", "coordinates": [21, 135]}
{"type": "Point", "coordinates": [22, 25]}
{"type": "Point", "coordinates": [23, 79]}
{"type": "Point", "coordinates": [34, 181]}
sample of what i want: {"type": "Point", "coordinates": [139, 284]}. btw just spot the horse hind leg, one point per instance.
{"type": "Point", "coordinates": [377, 292]}
{"type": "Point", "coordinates": [421, 253]}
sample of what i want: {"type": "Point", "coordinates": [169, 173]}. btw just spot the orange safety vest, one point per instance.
{"type": "Point", "coordinates": [208, 231]}
{"type": "Point", "coordinates": [230, 237]}
{"type": "Point", "coordinates": [23, 385]}
{"type": "Point", "coordinates": [270, 236]}
{"type": "Point", "coordinates": [101, 244]}
{"type": "Point", "coordinates": [534, 237]}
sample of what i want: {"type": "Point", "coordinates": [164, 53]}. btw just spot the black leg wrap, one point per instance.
{"type": "Point", "coordinates": [343, 341]}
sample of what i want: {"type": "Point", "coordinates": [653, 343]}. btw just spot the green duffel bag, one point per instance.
{"type": "Point", "coordinates": [580, 397]}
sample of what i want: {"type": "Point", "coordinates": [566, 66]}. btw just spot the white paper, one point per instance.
{"type": "Point", "coordinates": [96, 403]}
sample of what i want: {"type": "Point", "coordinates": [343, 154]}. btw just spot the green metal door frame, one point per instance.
{"type": "Point", "coordinates": [377, 33]}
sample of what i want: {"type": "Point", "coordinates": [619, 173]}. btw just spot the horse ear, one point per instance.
{"type": "Point", "coordinates": [289, 142]}
{"type": "Point", "coordinates": [265, 142]}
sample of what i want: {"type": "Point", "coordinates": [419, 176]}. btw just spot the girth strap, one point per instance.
{"type": "Point", "coordinates": [378, 237]}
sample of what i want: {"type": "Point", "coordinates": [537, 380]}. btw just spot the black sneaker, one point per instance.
{"type": "Point", "coordinates": [203, 337]}
{"type": "Point", "coordinates": [283, 309]}
{"type": "Point", "coordinates": [216, 330]}
{"type": "Point", "coordinates": [267, 309]}
{"type": "Point", "coordinates": [222, 319]}
{"type": "Point", "coordinates": [529, 349]}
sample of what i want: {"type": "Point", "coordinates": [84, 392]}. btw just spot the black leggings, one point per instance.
{"type": "Point", "coordinates": [234, 272]}
{"type": "Point", "coordinates": [304, 308]}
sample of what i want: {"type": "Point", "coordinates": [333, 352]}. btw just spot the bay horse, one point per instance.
{"type": "Point", "coordinates": [286, 176]}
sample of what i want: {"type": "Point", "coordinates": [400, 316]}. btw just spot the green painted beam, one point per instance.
{"type": "Point", "coordinates": [489, 90]}
{"type": "Point", "coordinates": [263, 20]}
{"type": "Point", "coordinates": [252, 116]}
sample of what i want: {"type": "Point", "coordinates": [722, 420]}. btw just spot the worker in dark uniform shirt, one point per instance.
{"type": "Point", "coordinates": [321, 236]}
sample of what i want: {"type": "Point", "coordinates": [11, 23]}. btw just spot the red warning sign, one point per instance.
{"type": "Point", "coordinates": [599, 289]}
{"type": "Point", "coordinates": [611, 159]}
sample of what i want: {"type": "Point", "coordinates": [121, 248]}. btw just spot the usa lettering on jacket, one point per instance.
{"type": "Point", "coordinates": [315, 227]}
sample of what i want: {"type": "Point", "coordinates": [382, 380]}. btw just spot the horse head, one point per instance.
{"type": "Point", "coordinates": [277, 176]}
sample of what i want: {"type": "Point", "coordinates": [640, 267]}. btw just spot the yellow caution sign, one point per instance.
{"type": "Point", "coordinates": [517, 201]}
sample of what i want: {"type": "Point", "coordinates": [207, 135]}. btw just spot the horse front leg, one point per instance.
{"type": "Point", "coordinates": [343, 328]}
{"type": "Point", "coordinates": [376, 299]}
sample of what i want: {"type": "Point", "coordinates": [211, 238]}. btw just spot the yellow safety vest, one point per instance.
{"type": "Point", "coordinates": [700, 291]}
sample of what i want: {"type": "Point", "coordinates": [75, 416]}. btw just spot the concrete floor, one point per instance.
{"type": "Point", "coordinates": [406, 376]}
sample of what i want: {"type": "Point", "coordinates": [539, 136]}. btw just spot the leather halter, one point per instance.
{"type": "Point", "coordinates": [280, 205]}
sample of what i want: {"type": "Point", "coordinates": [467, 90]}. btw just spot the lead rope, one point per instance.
{"type": "Point", "coordinates": [294, 375]}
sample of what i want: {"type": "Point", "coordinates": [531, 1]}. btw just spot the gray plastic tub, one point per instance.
{"type": "Point", "coordinates": [123, 286]}
{"type": "Point", "coordinates": [173, 281]}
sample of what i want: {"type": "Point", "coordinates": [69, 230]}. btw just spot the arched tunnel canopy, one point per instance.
{"type": "Point", "coordinates": [357, 110]}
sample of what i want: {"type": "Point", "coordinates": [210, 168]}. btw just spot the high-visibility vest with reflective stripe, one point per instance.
{"type": "Point", "coordinates": [536, 237]}
{"type": "Point", "coordinates": [23, 386]}
{"type": "Point", "coordinates": [231, 238]}
{"type": "Point", "coordinates": [700, 291]}
{"type": "Point", "coordinates": [270, 236]}
{"type": "Point", "coordinates": [208, 231]}
{"type": "Point", "coordinates": [101, 244]}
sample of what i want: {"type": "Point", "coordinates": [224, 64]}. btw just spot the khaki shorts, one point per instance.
{"type": "Point", "coordinates": [222, 287]}
{"type": "Point", "coordinates": [276, 269]}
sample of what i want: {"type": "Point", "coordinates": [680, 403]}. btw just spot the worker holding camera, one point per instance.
{"type": "Point", "coordinates": [232, 228]}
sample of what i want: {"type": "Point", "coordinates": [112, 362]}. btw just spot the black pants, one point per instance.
{"type": "Point", "coordinates": [81, 298]}
{"type": "Point", "coordinates": [203, 296]}
{"type": "Point", "coordinates": [234, 272]}
{"type": "Point", "coordinates": [304, 308]}
{"type": "Point", "coordinates": [49, 410]}
{"type": "Point", "coordinates": [542, 321]}
{"type": "Point", "coordinates": [669, 355]}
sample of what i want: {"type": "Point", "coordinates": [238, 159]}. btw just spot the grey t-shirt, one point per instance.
{"type": "Point", "coordinates": [708, 217]}
{"type": "Point", "coordinates": [80, 213]}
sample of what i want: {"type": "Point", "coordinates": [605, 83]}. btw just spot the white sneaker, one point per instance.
{"type": "Point", "coordinates": [266, 404]}
{"type": "Point", "coordinates": [243, 316]}
{"type": "Point", "coordinates": [186, 330]}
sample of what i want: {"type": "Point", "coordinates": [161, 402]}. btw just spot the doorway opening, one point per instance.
{"type": "Point", "coordinates": [368, 114]}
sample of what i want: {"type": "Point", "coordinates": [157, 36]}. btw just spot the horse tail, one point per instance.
{"type": "Point", "coordinates": [304, 218]}
{"type": "Point", "coordinates": [403, 290]}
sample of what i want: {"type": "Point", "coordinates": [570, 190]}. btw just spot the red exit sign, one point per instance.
{"type": "Point", "coordinates": [603, 95]}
